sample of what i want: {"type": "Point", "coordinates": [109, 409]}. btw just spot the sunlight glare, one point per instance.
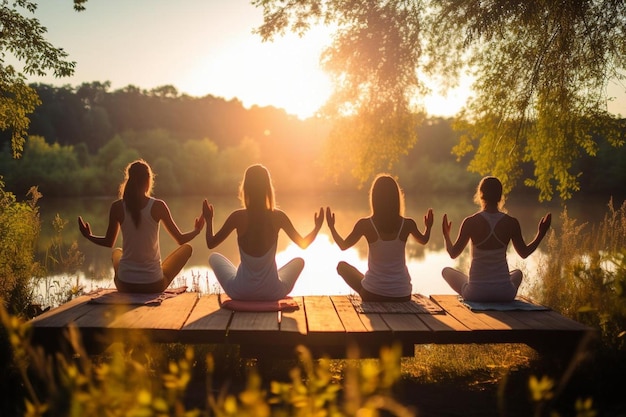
{"type": "Point", "coordinates": [284, 73]}
{"type": "Point", "coordinates": [441, 103]}
{"type": "Point", "coordinates": [319, 276]}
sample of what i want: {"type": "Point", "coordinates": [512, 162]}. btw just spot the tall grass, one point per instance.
{"type": "Point", "coordinates": [583, 275]}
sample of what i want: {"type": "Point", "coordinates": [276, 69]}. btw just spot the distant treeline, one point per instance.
{"type": "Point", "coordinates": [81, 138]}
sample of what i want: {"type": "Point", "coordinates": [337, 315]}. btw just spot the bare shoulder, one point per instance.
{"type": "Point", "coordinates": [364, 223]}
{"type": "Point", "coordinates": [117, 210]}
{"type": "Point", "coordinates": [510, 220]}
{"type": "Point", "coordinates": [238, 215]}
{"type": "Point", "coordinates": [158, 203]}
{"type": "Point", "coordinates": [279, 217]}
{"type": "Point", "coordinates": [409, 221]}
{"type": "Point", "coordinates": [473, 219]}
{"type": "Point", "coordinates": [117, 206]}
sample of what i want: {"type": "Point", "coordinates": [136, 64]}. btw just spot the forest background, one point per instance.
{"type": "Point", "coordinates": [81, 138]}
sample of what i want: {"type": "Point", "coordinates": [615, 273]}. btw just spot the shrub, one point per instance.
{"type": "Point", "coordinates": [19, 231]}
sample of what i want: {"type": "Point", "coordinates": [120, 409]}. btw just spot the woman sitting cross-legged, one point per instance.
{"type": "Point", "coordinates": [257, 225]}
{"type": "Point", "coordinates": [490, 230]}
{"type": "Point", "coordinates": [386, 232]}
{"type": "Point", "coordinates": [137, 265]}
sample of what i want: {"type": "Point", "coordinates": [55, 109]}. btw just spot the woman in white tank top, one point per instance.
{"type": "Point", "coordinates": [257, 225]}
{"type": "Point", "coordinates": [137, 265]}
{"type": "Point", "coordinates": [386, 231]}
{"type": "Point", "coordinates": [490, 231]}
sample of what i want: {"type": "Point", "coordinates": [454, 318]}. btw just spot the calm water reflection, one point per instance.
{"type": "Point", "coordinates": [319, 276]}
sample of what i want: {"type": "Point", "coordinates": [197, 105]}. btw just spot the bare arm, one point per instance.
{"type": "Point", "coordinates": [212, 240]}
{"type": "Point", "coordinates": [115, 219]}
{"type": "Point", "coordinates": [303, 242]}
{"type": "Point", "coordinates": [161, 212]}
{"type": "Point", "coordinates": [357, 232]}
{"type": "Point", "coordinates": [456, 248]}
{"type": "Point", "coordinates": [428, 222]}
{"type": "Point", "coordinates": [520, 246]}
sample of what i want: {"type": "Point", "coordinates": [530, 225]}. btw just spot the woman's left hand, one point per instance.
{"type": "Point", "coordinates": [199, 223]}
{"type": "Point", "coordinates": [84, 227]}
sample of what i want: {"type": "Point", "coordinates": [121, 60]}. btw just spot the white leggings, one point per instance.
{"type": "Point", "coordinates": [226, 273]}
{"type": "Point", "coordinates": [483, 292]}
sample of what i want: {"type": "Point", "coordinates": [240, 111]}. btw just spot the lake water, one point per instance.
{"type": "Point", "coordinates": [319, 276]}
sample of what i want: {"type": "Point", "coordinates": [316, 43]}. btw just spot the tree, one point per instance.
{"type": "Point", "coordinates": [541, 71]}
{"type": "Point", "coordinates": [22, 39]}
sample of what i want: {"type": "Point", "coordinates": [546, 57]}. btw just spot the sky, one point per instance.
{"type": "Point", "coordinates": [202, 47]}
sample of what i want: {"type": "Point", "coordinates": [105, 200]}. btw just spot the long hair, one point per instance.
{"type": "Point", "coordinates": [138, 183]}
{"type": "Point", "coordinates": [386, 202]}
{"type": "Point", "coordinates": [256, 190]}
{"type": "Point", "coordinates": [489, 191]}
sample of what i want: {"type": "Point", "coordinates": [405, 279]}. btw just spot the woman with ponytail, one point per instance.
{"type": "Point", "coordinates": [386, 232]}
{"type": "Point", "coordinates": [137, 265]}
{"type": "Point", "coordinates": [490, 230]}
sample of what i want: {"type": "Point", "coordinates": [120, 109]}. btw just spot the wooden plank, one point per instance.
{"type": "Point", "coordinates": [63, 314]}
{"type": "Point", "coordinates": [254, 331]}
{"type": "Point", "coordinates": [354, 321]}
{"type": "Point", "coordinates": [321, 315]}
{"type": "Point", "coordinates": [294, 321]}
{"type": "Point", "coordinates": [348, 315]}
{"type": "Point", "coordinates": [442, 323]}
{"type": "Point", "coordinates": [405, 323]}
{"type": "Point", "coordinates": [547, 320]}
{"type": "Point", "coordinates": [453, 306]}
{"type": "Point", "coordinates": [498, 321]}
{"type": "Point", "coordinates": [100, 316]}
{"type": "Point", "coordinates": [207, 315]}
{"type": "Point", "coordinates": [254, 321]}
{"type": "Point", "coordinates": [171, 314]}
{"type": "Point", "coordinates": [508, 321]}
{"type": "Point", "coordinates": [566, 323]}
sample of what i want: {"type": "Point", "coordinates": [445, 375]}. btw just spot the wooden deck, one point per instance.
{"type": "Point", "coordinates": [325, 324]}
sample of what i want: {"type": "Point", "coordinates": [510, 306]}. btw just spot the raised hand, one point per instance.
{"type": "Point", "coordinates": [319, 218]}
{"type": "Point", "coordinates": [330, 218]}
{"type": "Point", "coordinates": [544, 223]}
{"type": "Point", "coordinates": [84, 227]}
{"type": "Point", "coordinates": [207, 211]}
{"type": "Point", "coordinates": [446, 226]}
{"type": "Point", "coordinates": [199, 222]}
{"type": "Point", "coordinates": [429, 218]}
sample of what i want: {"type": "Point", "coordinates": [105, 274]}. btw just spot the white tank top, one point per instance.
{"type": "Point", "coordinates": [141, 254]}
{"type": "Point", "coordinates": [387, 274]}
{"type": "Point", "coordinates": [489, 265]}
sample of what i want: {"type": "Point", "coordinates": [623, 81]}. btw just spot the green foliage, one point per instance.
{"type": "Point", "coordinates": [541, 71]}
{"type": "Point", "coordinates": [23, 39]}
{"type": "Point", "coordinates": [19, 231]}
{"type": "Point", "coordinates": [51, 167]}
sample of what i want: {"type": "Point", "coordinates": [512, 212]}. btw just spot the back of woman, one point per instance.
{"type": "Point", "coordinates": [490, 231]}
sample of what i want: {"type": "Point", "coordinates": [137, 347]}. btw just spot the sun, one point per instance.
{"type": "Point", "coordinates": [284, 73]}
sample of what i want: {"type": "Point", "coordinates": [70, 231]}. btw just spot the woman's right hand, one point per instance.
{"type": "Point", "coordinates": [544, 223]}
{"type": "Point", "coordinates": [330, 218]}
{"type": "Point", "coordinates": [446, 226]}
{"type": "Point", "coordinates": [207, 211]}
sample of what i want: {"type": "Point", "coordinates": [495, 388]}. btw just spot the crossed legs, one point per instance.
{"type": "Point", "coordinates": [171, 266]}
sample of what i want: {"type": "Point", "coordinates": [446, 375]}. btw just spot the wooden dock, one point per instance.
{"type": "Point", "coordinates": [327, 325]}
